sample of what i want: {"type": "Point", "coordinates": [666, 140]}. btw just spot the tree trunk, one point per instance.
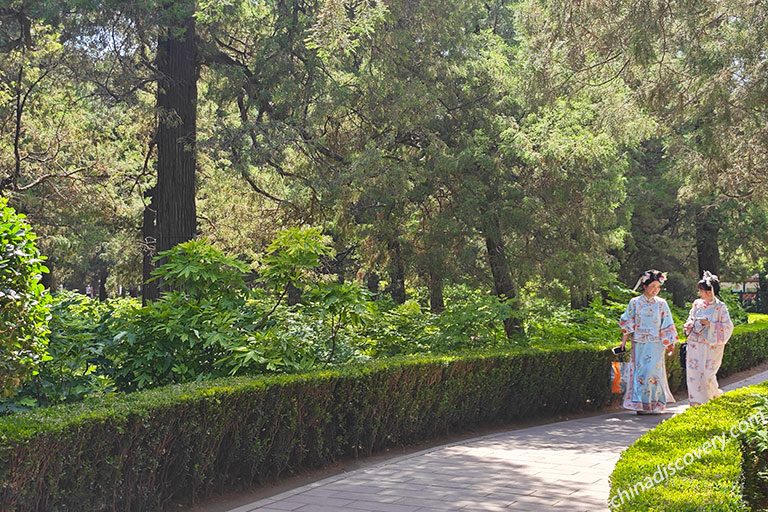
{"type": "Point", "coordinates": [46, 279]}
{"type": "Point", "coordinates": [580, 298]}
{"type": "Point", "coordinates": [397, 273]}
{"type": "Point", "coordinates": [762, 291]}
{"type": "Point", "coordinates": [680, 291]}
{"type": "Point", "coordinates": [177, 128]}
{"type": "Point", "coordinates": [436, 303]}
{"type": "Point", "coordinates": [707, 241]}
{"type": "Point", "coordinates": [502, 276]}
{"type": "Point", "coordinates": [294, 295]}
{"type": "Point", "coordinates": [103, 284]}
{"type": "Point", "coordinates": [149, 291]}
{"type": "Point", "coordinates": [372, 283]}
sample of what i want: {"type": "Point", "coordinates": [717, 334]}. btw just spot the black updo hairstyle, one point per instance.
{"type": "Point", "coordinates": [650, 276]}
{"type": "Point", "coordinates": [709, 281]}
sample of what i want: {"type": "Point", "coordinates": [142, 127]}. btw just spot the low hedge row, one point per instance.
{"type": "Point", "coordinates": [712, 482]}
{"type": "Point", "coordinates": [685, 473]}
{"type": "Point", "coordinates": [153, 449]}
{"type": "Point", "coordinates": [161, 447]}
{"type": "Point", "coordinates": [754, 467]}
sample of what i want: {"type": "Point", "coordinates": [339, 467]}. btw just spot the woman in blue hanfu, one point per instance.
{"type": "Point", "coordinates": [648, 320]}
{"type": "Point", "coordinates": [709, 327]}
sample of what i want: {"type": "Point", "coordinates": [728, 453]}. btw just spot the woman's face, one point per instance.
{"type": "Point", "coordinates": [707, 295]}
{"type": "Point", "coordinates": [652, 290]}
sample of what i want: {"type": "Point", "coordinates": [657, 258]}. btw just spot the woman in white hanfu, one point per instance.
{"type": "Point", "coordinates": [648, 320]}
{"type": "Point", "coordinates": [709, 327]}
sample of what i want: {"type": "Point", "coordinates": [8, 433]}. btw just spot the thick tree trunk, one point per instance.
{"type": "Point", "coordinates": [436, 302]}
{"type": "Point", "coordinates": [397, 273]}
{"type": "Point", "coordinates": [149, 291]}
{"type": "Point", "coordinates": [502, 276]}
{"type": "Point", "coordinates": [707, 241]}
{"type": "Point", "coordinates": [177, 129]}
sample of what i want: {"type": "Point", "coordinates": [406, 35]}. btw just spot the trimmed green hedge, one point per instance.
{"type": "Point", "coordinates": [712, 483]}
{"type": "Point", "coordinates": [152, 449]}
{"type": "Point", "coordinates": [754, 467]}
{"type": "Point", "coordinates": [156, 448]}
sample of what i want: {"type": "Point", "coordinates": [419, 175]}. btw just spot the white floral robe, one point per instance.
{"type": "Point", "coordinates": [705, 349]}
{"type": "Point", "coordinates": [650, 323]}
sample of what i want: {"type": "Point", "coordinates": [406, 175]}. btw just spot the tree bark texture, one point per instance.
{"type": "Point", "coordinates": [397, 273]}
{"type": "Point", "coordinates": [436, 302]}
{"type": "Point", "coordinates": [103, 284]}
{"type": "Point", "coordinates": [497, 260]}
{"type": "Point", "coordinates": [176, 133]}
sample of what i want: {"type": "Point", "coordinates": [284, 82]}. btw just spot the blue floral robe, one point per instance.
{"type": "Point", "coordinates": [650, 323]}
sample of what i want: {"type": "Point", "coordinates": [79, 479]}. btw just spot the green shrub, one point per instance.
{"type": "Point", "coordinates": [711, 481]}
{"type": "Point", "coordinates": [747, 348]}
{"type": "Point", "coordinates": [715, 481]}
{"type": "Point", "coordinates": [737, 312]}
{"type": "Point", "coordinates": [81, 349]}
{"type": "Point", "coordinates": [472, 320]}
{"type": "Point", "coordinates": [23, 310]}
{"type": "Point", "coordinates": [210, 324]}
{"type": "Point", "coordinates": [754, 461]}
{"type": "Point", "coordinates": [295, 339]}
{"type": "Point", "coordinates": [183, 335]}
{"type": "Point", "coordinates": [151, 449]}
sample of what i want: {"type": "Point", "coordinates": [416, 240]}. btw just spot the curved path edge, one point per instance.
{"type": "Point", "coordinates": [562, 465]}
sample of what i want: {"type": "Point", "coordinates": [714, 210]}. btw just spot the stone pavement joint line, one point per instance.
{"type": "Point", "coordinates": [560, 466]}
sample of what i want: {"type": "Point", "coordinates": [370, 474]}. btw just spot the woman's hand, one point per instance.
{"type": "Point", "coordinates": [671, 350]}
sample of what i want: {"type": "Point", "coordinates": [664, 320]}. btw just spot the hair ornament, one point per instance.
{"type": "Point", "coordinates": [640, 280]}
{"type": "Point", "coordinates": [709, 278]}
{"type": "Point", "coordinates": [649, 276]}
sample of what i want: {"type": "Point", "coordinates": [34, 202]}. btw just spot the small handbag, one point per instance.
{"type": "Point", "coordinates": [619, 372]}
{"type": "Point", "coordinates": [683, 355]}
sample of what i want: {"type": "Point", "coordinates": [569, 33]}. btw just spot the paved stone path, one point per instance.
{"type": "Point", "coordinates": [560, 466]}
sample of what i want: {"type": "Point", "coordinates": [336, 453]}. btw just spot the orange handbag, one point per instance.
{"type": "Point", "coordinates": [619, 372]}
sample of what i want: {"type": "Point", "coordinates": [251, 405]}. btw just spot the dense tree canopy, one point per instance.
{"type": "Point", "coordinates": [526, 148]}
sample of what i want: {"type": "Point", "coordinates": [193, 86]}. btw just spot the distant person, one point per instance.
{"type": "Point", "coordinates": [648, 320]}
{"type": "Point", "coordinates": [88, 291]}
{"type": "Point", "coordinates": [709, 327]}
